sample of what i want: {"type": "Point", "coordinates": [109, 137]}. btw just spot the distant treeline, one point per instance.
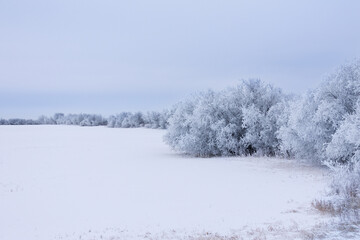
{"type": "Point", "coordinates": [138, 119]}
{"type": "Point", "coordinates": [123, 120]}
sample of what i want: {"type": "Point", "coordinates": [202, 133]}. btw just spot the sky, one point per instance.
{"type": "Point", "coordinates": [109, 56]}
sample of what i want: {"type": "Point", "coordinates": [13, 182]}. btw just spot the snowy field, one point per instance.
{"type": "Point", "coordinates": [70, 182]}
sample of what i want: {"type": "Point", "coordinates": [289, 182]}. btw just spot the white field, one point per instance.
{"type": "Point", "coordinates": [70, 182]}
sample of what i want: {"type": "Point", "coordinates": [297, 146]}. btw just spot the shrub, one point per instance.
{"type": "Point", "coordinates": [237, 121]}
{"type": "Point", "coordinates": [344, 193]}
{"type": "Point", "coordinates": [315, 118]}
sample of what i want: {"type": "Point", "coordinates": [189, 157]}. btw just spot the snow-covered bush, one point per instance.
{"type": "Point", "coordinates": [345, 144]}
{"type": "Point", "coordinates": [314, 119]}
{"type": "Point", "coordinates": [192, 127]}
{"type": "Point", "coordinates": [345, 188]}
{"type": "Point", "coordinates": [300, 135]}
{"type": "Point", "coordinates": [343, 157]}
{"type": "Point", "coordinates": [261, 111]}
{"type": "Point", "coordinates": [237, 121]}
{"type": "Point", "coordinates": [344, 192]}
{"type": "Point", "coordinates": [180, 123]}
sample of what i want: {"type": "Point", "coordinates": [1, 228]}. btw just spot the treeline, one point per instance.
{"type": "Point", "coordinates": [138, 119]}
{"type": "Point", "coordinates": [255, 118]}
{"type": "Point", "coordinates": [18, 121]}
{"type": "Point", "coordinates": [60, 119]}
{"type": "Point", "coordinates": [122, 120]}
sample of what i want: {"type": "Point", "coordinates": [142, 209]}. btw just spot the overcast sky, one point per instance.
{"type": "Point", "coordinates": [108, 56]}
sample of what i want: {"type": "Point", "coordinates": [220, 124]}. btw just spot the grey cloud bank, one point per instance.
{"type": "Point", "coordinates": [109, 56]}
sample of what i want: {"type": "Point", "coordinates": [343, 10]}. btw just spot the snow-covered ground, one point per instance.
{"type": "Point", "coordinates": [70, 182]}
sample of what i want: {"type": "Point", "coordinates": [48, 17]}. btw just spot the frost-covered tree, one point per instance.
{"type": "Point", "coordinates": [314, 119]}
{"type": "Point", "coordinates": [181, 134]}
{"type": "Point", "coordinates": [236, 121]}
{"type": "Point", "coordinates": [46, 120]}
{"type": "Point", "coordinates": [137, 119]}
{"type": "Point", "coordinates": [59, 118]}
{"type": "Point", "coordinates": [345, 144]}
{"type": "Point", "coordinates": [152, 119]}
{"type": "Point", "coordinates": [119, 121]}
{"type": "Point", "coordinates": [300, 136]}
{"type": "Point", "coordinates": [260, 116]}
{"type": "Point", "coordinates": [164, 118]}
